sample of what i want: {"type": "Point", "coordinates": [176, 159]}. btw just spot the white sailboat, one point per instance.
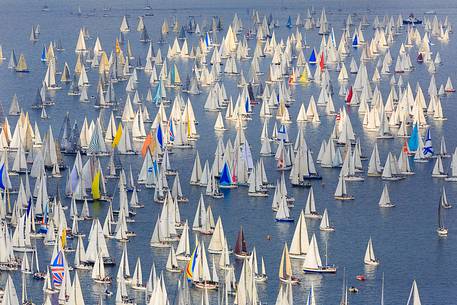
{"type": "Point", "coordinates": [414, 298]}
{"type": "Point", "coordinates": [216, 244]}
{"type": "Point", "coordinates": [370, 258]}
{"type": "Point", "coordinates": [438, 169]}
{"type": "Point", "coordinates": [98, 271]}
{"type": "Point", "coordinates": [325, 223]}
{"type": "Point", "coordinates": [313, 262]}
{"type": "Point", "coordinates": [384, 201]}
{"type": "Point", "coordinates": [260, 276]}
{"type": "Point", "coordinates": [137, 278]}
{"type": "Point", "coordinates": [441, 230]}
{"type": "Point", "coordinates": [300, 240]}
{"type": "Point", "coordinates": [444, 202]}
{"type": "Point", "coordinates": [341, 190]}
{"type": "Point", "coordinates": [310, 207]}
{"type": "Point", "coordinates": [183, 249]}
{"type": "Point", "coordinates": [172, 262]}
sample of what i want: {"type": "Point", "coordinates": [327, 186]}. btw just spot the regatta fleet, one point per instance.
{"type": "Point", "coordinates": [189, 118]}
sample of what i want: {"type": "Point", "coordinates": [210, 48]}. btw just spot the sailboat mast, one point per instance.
{"type": "Point", "coordinates": [440, 224]}
{"type": "Point", "coordinates": [326, 257]}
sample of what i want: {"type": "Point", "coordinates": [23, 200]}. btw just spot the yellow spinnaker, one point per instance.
{"type": "Point", "coordinates": [118, 47]}
{"type": "Point", "coordinates": [96, 186]}
{"type": "Point", "coordinates": [117, 137]}
{"type": "Point", "coordinates": [63, 238]}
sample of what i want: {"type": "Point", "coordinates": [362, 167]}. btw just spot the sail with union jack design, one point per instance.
{"type": "Point", "coordinates": [58, 269]}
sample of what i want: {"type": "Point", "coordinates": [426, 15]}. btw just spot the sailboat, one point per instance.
{"type": "Point", "coordinates": [21, 66]}
{"type": "Point", "coordinates": [438, 169]}
{"type": "Point", "coordinates": [283, 213]}
{"type": "Point", "coordinates": [444, 202]}
{"type": "Point", "coordinates": [452, 177]}
{"type": "Point", "coordinates": [26, 268]}
{"type": "Point", "coordinates": [172, 262]}
{"type": "Point", "coordinates": [80, 261]}
{"type": "Point", "coordinates": [262, 275]}
{"type": "Point", "coordinates": [441, 230]}
{"type": "Point", "coordinates": [325, 223]}
{"type": "Point", "coordinates": [98, 271]}
{"type": "Point", "coordinates": [137, 278]}
{"type": "Point", "coordinates": [370, 258]}
{"type": "Point", "coordinates": [300, 241]}
{"type": "Point", "coordinates": [414, 298]}
{"type": "Point", "coordinates": [25, 298]}
{"type": "Point", "coordinates": [391, 171]}
{"type": "Point", "coordinates": [9, 293]}
{"type": "Point", "coordinates": [198, 270]}
{"type": "Point", "coordinates": [37, 275]}
{"type": "Point", "coordinates": [384, 201]}
{"type": "Point", "coordinates": [310, 207]}
{"type": "Point", "coordinates": [313, 262]}
{"type": "Point", "coordinates": [241, 247]}
{"type": "Point", "coordinates": [341, 191]}
{"type": "Point", "coordinates": [183, 249]}
{"type": "Point", "coordinates": [285, 268]}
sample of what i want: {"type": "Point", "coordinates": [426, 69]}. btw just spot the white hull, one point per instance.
{"type": "Point", "coordinates": [260, 278]}
{"type": "Point", "coordinates": [183, 257]}
{"type": "Point", "coordinates": [258, 194]}
{"type": "Point", "coordinates": [297, 256]}
{"type": "Point", "coordinates": [161, 245]}
{"type": "Point", "coordinates": [174, 270]}
{"type": "Point", "coordinates": [347, 197]}
{"type": "Point", "coordinates": [387, 205]}
{"type": "Point", "coordinates": [442, 231]}
{"type": "Point", "coordinates": [372, 263]}
{"type": "Point", "coordinates": [293, 280]}
{"type": "Point", "coordinates": [141, 288]}
{"type": "Point", "coordinates": [320, 270]}
{"type": "Point", "coordinates": [23, 249]}
{"type": "Point", "coordinates": [354, 178]}
{"type": "Point", "coordinates": [439, 176]}
{"type": "Point", "coordinates": [393, 178]}
{"type": "Point", "coordinates": [313, 216]}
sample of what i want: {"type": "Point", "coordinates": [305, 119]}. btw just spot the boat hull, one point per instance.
{"type": "Point", "coordinates": [387, 205]}
{"type": "Point", "coordinates": [284, 220]}
{"type": "Point", "coordinates": [329, 269]}
{"type": "Point", "coordinates": [206, 285]}
{"type": "Point", "coordinates": [344, 198]}
{"type": "Point", "coordinates": [372, 263]}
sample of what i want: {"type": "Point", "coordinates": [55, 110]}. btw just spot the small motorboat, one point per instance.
{"type": "Point", "coordinates": [412, 20]}
{"type": "Point", "coordinates": [360, 277]}
{"type": "Point", "coordinates": [353, 289]}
